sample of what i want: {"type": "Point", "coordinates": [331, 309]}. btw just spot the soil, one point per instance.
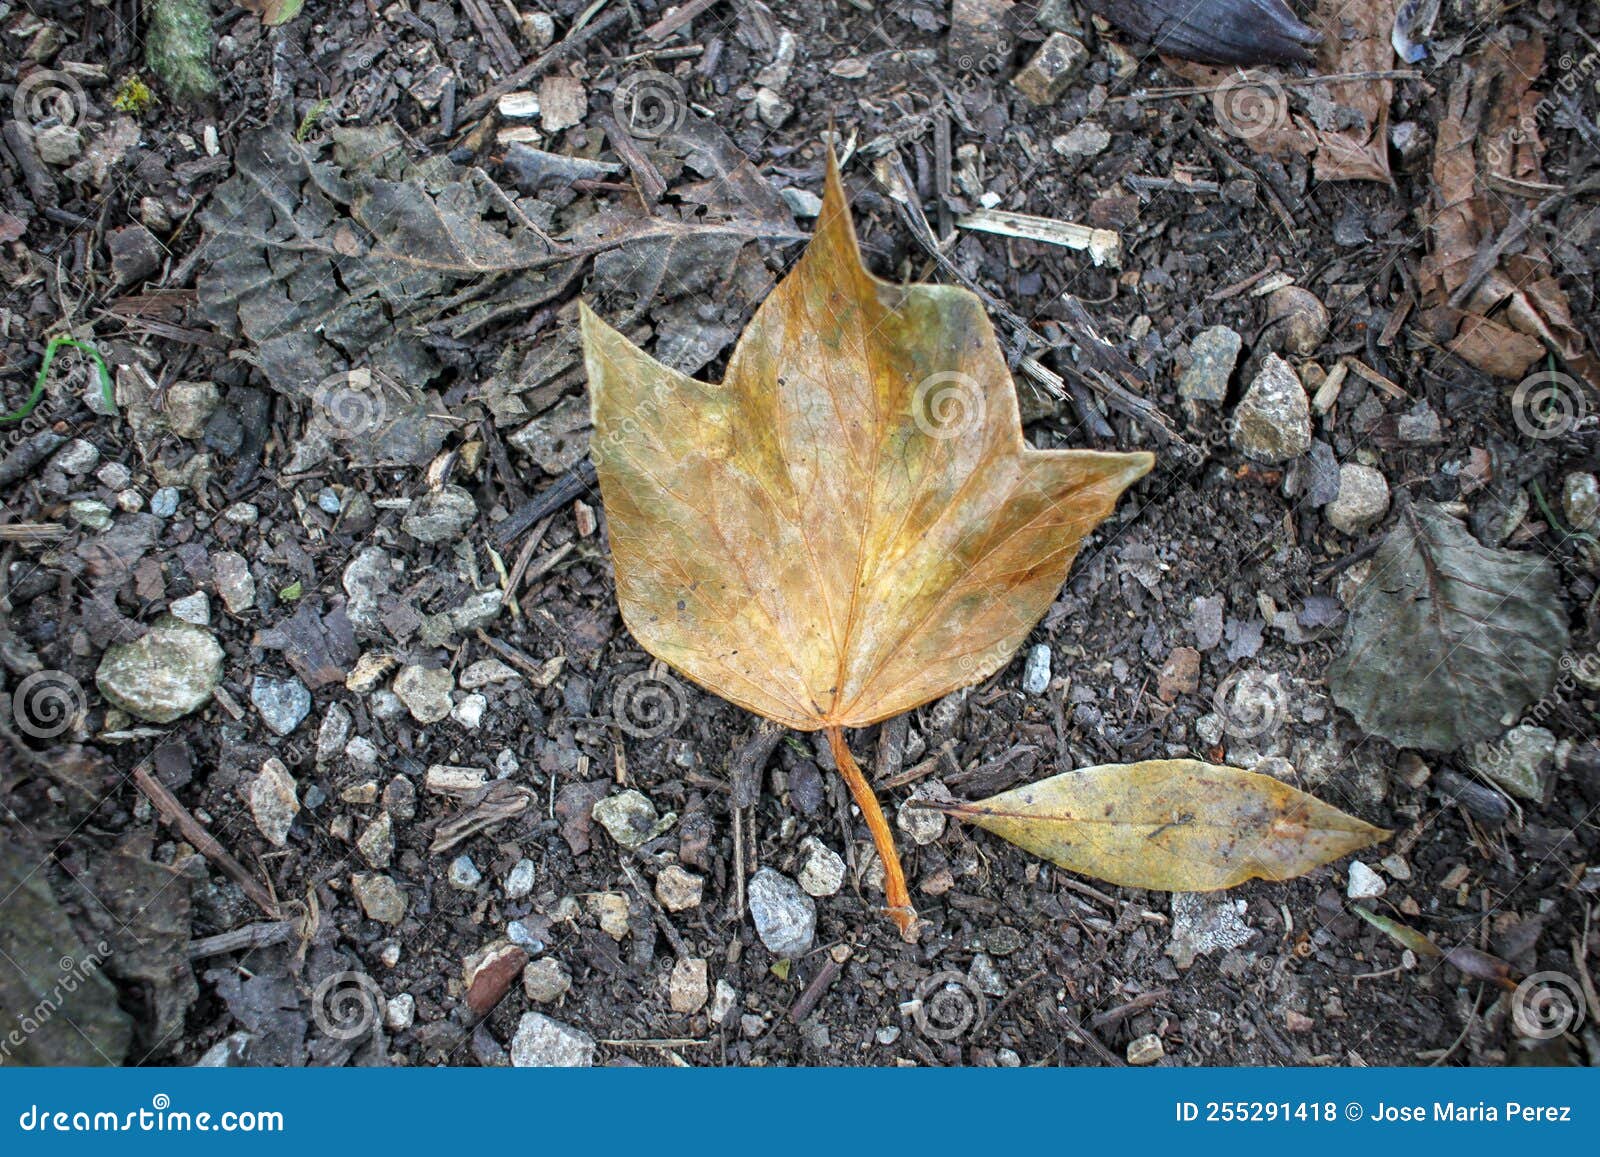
{"type": "Point", "coordinates": [1018, 962]}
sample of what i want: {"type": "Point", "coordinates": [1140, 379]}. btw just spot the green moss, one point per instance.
{"type": "Point", "coordinates": [133, 96]}
{"type": "Point", "coordinates": [178, 47]}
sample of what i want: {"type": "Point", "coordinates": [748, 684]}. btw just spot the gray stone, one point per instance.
{"type": "Point", "coordinates": [801, 202]}
{"type": "Point", "coordinates": [328, 500]}
{"type": "Point", "coordinates": [1363, 499]}
{"type": "Point", "coordinates": [164, 502]}
{"type": "Point", "coordinates": [89, 513]}
{"type": "Point", "coordinates": [1145, 1050]}
{"type": "Point", "coordinates": [1051, 69]}
{"type": "Point", "coordinates": [519, 881]}
{"type": "Point", "coordinates": [821, 868]}
{"type": "Point", "coordinates": [76, 458]}
{"type": "Point", "coordinates": [630, 818]}
{"type": "Point", "coordinates": [679, 889]}
{"type": "Point", "coordinates": [544, 1043]}
{"type": "Point", "coordinates": [114, 476]}
{"type": "Point", "coordinates": [923, 825]}
{"type": "Point", "coordinates": [1272, 422]}
{"type": "Point", "coordinates": [380, 898]}
{"type": "Point", "coordinates": [985, 973]}
{"type": "Point", "coordinates": [772, 108]}
{"type": "Point", "coordinates": [1036, 671]}
{"type": "Point", "coordinates": [283, 703]}
{"type": "Point", "coordinates": [189, 406]}
{"type": "Point", "coordinates": [1580, 500]}
{"type": "Point", "coordinates": [546, 980]}
{"type": "Point", "coordinates": [59, 144]}
{"type": "Point", "coordinates": [522, 934]}
{"type": "Point", "coordinates": [1364, 884]}
{"type": "Point", "coordinates": [485, 672]}
{"type": "Point", "coordinates": [367, 579]}
{"type": "Point", "coordinates": [376, 843]}
{"type": "Point", "coordinates": [334, 732]}
{"type": "Point", "coordinates": [1089, 139]}
{"type": "Point", "coordinates": [1419, 426]}
{"type": "Point", "coordinates": [463, 873]}
{"type": "Point", "coordinates": [235, 584]}
{"type": "Point", "coordinates": [1523, 762]}
{"type": "Point", "coordinates": [1205, 620]}
{"type": "Point", "coordinates": [1213, 354]}
{"type": "Point", "coordinates": [273, 802]}
{"type": "Point", "coordinates": [400, 1012]}
{"type": "Point", "coordinates": [469, 712]}
{"type": "Point", "coordinates": [425, 691]}
{"type": "Point", "coordinates": [689, 987]}
{"type": "Point", "coordinates": [785, 917]}
{"type": "Point", "coordinates": [724, 998]}
{"type": "Point", "coordinates": [441, 515]}
{"type": "Point", "coordinates": [165, 674]}
{"type": "Point", "coordinates": [195, 608]}
{"type": "Point", "coordinates": [135, 254]}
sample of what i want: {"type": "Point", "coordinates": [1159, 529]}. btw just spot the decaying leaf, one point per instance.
{"type": "Point", "coordinates": [273, 12]}
{"type": "Point", "coordinates": [1447, 635]}
{"type": "Point", "coordinates": [1474, 962]}
{"type": "Point", "coordinates": [851, 524]}
{"type": "Point", "coordinates": [1174, 824]}
{"type": "Point", "coordinates": [1216, 31]}
{"type": "Point", "coordinates": [1345, 126]}
{"type": "Point", "coordinates": [349, 273]}
{"type": "Point", "coordinates": [1490, 292]}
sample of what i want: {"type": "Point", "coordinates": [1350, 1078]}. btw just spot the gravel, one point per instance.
{"type": "Point", "coordinates": [1363, 499]}
{"type": "Point", "coordinates": [1213, 354]}
{"type": "Point", "coordinates": [283, 703]}
{"type": "Point", "coordinates": [425, 691]}
{"type": "Point", "coordinates": [168, 672]}
{"type": "Point", "coordinates": [1272, 422]}
{"type": "Point", "coordinates": [785, 917]}
{"type": "Point", "coordinates": [544, 1043]}
{"type": "Point", "coordinates": [273, 802]}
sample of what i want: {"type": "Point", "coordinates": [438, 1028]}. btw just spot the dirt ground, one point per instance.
{"type": "Point", "coordinates": [233, 908]}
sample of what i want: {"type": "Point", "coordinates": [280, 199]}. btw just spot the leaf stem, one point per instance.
{"type": "Point", "coordinates": [894, 877]}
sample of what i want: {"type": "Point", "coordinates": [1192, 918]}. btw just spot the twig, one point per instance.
{"type": "Point", "coordinates": [820, 983]}
{"type": "Point", "coordinates": [194, 831]}
{"type": "Point", "coordinates": [262, 935]}
{"type": "Point", "coordinates": [485, 100]}
{"type": "Point", "coordinates": [1281, 81]}
{"type": "Point", "coordinates": [1138, 1004]}
{"type": "Point", "coordinates": [649, 897]}
{"type": "Point", "coordinates": [676, 19]}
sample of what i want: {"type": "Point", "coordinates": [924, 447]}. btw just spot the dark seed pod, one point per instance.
{"type": "Point", "coordinates": [1215, 31]}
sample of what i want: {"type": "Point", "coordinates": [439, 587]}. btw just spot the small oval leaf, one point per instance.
{"type": "Point", "coordinates": [1177, 825]}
